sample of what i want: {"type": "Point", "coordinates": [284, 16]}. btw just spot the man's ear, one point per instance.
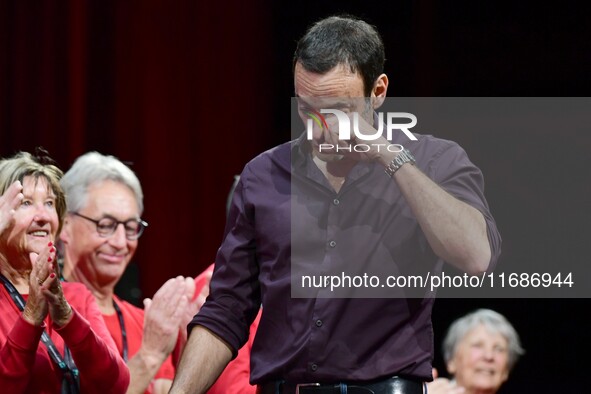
{"type": "Point", "coordinates": [379, 91]}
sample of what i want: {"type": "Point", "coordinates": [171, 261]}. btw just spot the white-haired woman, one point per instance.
{"type": "Point", "coordinates": [479, 350]}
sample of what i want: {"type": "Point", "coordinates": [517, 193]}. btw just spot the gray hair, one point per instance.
{"type": "Point", "coordinates": [91, 168]}
{"type": "Point", "coordinates": [494, 322]}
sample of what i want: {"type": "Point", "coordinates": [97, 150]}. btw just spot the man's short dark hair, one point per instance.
{"type": "Point", "coordinates": [342, 40]}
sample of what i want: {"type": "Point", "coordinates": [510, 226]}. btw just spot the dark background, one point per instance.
{"type": "Point", "coordinates": [187, 92]}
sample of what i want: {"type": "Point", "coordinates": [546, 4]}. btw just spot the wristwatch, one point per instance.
{"type": "Point", "coordinates": [402, 158]}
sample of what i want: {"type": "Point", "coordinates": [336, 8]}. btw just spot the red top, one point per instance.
{"type": "Point", "coordinates": [133, 317]}
{"type": "Point", "coordinates": [235, 378]}
{"type": "Point", "coordinates": [25, 365]}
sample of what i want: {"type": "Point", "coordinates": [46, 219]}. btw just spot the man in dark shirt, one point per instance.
{"type": "Point", "coordinates": [304, 207]}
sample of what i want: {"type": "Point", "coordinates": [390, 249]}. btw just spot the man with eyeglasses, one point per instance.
{"type": "Point", "coordinates": [99, 238]}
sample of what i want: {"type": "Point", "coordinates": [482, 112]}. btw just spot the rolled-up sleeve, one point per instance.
{"type": "Point", "coordinates": [234, 297]}
{"type": "Point", "coordinates": [451, 168]}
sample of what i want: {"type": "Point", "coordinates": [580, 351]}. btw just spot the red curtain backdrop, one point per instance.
{"type": "Point", "coordinates": [175, 89]}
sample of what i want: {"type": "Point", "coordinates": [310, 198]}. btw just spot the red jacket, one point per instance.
{"type": "Point", "coordinates": [25, 365]}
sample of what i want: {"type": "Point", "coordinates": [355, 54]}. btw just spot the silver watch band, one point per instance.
{"type": "Point", "coordinates": [402, 158]}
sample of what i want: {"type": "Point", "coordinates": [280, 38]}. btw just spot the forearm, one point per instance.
{"type": "Point", "coordinates": [143, 368]}
{"type": "Point", "coordinates": [17, 356]}
{"type": "Point", "coordinates": [101, 368]}
{"type": "Point", "coordinates": [455, 230]}
{"type": "Point", "coordinates": [161, 386]}
{"type": "Point", "coordinates": [203, 360]}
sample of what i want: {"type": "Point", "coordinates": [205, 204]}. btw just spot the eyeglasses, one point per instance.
{"type": "Point", "coordinates": [107, 226]}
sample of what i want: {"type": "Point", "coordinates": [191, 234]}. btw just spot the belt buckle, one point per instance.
{"type": "Point", "coordinates": [297, 391]}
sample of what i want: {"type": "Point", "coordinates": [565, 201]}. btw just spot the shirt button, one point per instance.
{"type": "Point", "coordinates": [336, 201]}
{"type": "Point", "coordinates": [318, 323]}
{"type": "Point", "coordinates": [313, 367]}
{"type": "Point", "coordinates": [332, 244]}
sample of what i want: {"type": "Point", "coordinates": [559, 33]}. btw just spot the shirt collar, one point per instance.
{"type": "Point", "coordinates": [300, 149]}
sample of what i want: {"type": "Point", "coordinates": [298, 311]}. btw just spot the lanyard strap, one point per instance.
{"type": "Point", "coordinates": [123, 331]}
{"type": "Point", "coordinates": [51, 348]}
{"type": "Point", "coordinates": [119, 315]}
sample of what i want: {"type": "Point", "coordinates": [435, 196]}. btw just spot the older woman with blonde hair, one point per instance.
{"type": "Point", "coordinates": [52, 335]}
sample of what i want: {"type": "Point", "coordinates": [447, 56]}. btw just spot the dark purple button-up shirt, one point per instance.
{"type": "Point", "coordinates": [284, 213]}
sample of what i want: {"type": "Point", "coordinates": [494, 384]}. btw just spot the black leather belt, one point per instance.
{"type": "Point", "coordinates": [394, 385]}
